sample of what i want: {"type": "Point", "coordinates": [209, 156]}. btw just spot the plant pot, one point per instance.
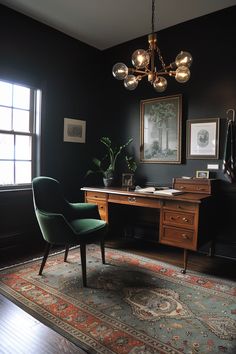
{"type": "Point", "coordinates": [108, 181]}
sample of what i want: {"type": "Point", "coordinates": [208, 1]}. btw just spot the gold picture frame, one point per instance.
{"type": "Point", "coordinates": [127, 180]}
{"type": "Point", "coordinates": [202, 174]}
{"type": "Point", "coordinates": [161, 129]}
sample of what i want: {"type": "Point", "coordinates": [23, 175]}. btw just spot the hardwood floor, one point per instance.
{"type": "Point", "coordinates": [20, 333]}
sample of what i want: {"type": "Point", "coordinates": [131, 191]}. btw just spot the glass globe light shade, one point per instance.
{"type": "Point", "coordinates": [182, 74]}
{"type": "Point", "coordinates": [140, 59]}
{"type": "Point", "coordinates": [184, 58]}
{"type": "Point", "coordinates": [120, 71]}
{"type": "Point", "coordinates": [131, 82]}
{"type": "Point", "coordinates": [160, 84]}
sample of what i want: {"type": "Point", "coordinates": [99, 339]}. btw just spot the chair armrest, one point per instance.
{"type": "Point", "coordinates": [84, 211]}
{"type": "Point", "coordinates": [55, 228]}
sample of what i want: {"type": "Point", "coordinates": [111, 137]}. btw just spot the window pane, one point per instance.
{"type": "Point", "coordinates": [23, 147]}
{"type": "Point", "coordinates": [21, 97]}
{"type": "Point", "coordinates": [5, 93]}
{"type": "Point", "coordinates": [20, 120]}
{"type": "Point", "coordinates": [6, 172]}
{"type": "Point", "coordinates": [5, 118]}
{"type": "Point", "coordinates": [6, 146]}
{"type": "Point", "coordinates": [23, 172]}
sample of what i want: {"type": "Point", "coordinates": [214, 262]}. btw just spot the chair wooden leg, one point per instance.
{"type": "Point", "coordinates": [103, 251]}
{"type": "Point", "coordinates": [46, 253]}
{"type": "Point", "coordinates": [66, 253]}
{"type": "Point", "coordinates": [83, 263]}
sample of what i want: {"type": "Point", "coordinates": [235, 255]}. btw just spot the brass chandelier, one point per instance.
{"type": "Point", "coordinates": [144, 62]}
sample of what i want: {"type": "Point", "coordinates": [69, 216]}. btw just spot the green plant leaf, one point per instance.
{"type": "Point", "coordinates": [97, 162]}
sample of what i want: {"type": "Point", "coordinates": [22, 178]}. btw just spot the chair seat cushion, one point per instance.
{"type": "Point", "coordinates": [88, 226]}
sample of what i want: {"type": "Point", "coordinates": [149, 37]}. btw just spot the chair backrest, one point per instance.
{"type": "Point", "coordinates": [48, 195]}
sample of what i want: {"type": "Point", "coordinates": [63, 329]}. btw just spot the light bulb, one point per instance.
{"type": "Point", "coordinates": [140, 59]}
{"type": "Point", "coordinates": [160, 84]}
{"type": "Point", "coordinates": [120, 71]}
{"type": "Point", "coordinates": [184, 58]}
{"type": "Point", "coordinates": [182, 74]}
{"type": "Point", "coordinates": [131, 82]}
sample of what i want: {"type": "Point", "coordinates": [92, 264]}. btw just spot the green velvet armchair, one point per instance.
{"type": "Point", "coordinates": [65, 223]}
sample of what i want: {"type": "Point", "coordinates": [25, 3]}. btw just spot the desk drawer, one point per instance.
{"type": "Point", "coordinates": [96, 195]}
{"type": "Point", "coordinates": [134, 200]}
{"type": "Point", "coordinates": [177, 218]}
{"type": "Point", "coordinates": [179, 205]}
{"type": "Point", "coordinates": [178, 237]}
{"type": "Point", "coordinates": [102, 208]}
{"type": "Point", "coordinates": [196, 188]}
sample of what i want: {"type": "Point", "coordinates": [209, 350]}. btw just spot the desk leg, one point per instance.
{"type": "Point", "coordinates": [211, 252]}
{"type": "Point", "coordinates": [185, 261]}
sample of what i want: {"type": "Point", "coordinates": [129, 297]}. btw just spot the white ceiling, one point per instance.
{"type": "Point", "coordinates": [106, 23]}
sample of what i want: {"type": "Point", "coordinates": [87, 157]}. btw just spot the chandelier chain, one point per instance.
{"type": "Point", "coordinates": [161, 59]}
{"type": "Point", "coordinates": [153, 14]}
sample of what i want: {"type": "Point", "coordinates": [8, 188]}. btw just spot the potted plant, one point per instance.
{"type": "Point", "coordinates": [106, 166]}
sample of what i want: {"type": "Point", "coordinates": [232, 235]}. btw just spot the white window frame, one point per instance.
{"type": "Point", "coordinates": [34, 134]}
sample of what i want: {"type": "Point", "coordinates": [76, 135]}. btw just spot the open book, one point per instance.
{"type": "Point", "coordinates": [168, 192]}
{"type": "Point", "coordinates": [145, 190]}
{"type": "Point", "coordinates": [160, 190]}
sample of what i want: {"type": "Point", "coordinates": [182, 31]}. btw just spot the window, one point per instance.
{"type": "Point", "coordinates": [19, 122]}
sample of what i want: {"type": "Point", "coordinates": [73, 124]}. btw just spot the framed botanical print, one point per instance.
{"type": "Point", "coordinates": [74, 130]}
{"type": "Point", "coordinates": [203, 138]}
{"type": "Point", "coordinates": [161, 120]}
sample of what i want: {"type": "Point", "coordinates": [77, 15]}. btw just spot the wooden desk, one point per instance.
{"type": "Point", "coordinates": [183, 217]}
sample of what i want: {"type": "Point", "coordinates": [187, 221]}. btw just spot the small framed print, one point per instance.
{"type": "Point", "coordinates": [127, 180]}
{"type": "Point", "coordinates": [203, 138]}
{"type": "Point", "coordinates": [74, 130]}
{"type": "Point", "coordinates": [202, 174]}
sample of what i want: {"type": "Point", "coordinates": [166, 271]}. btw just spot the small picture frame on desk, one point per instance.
{"type": "Point", "coordinates": [202, 174]}
{"type": "Point", "coordinates": [127, 180]}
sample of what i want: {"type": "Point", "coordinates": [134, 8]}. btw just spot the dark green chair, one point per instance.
{"type": "Point", "coordinates": [65, 223]}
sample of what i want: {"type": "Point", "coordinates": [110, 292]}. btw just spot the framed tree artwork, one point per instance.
{"type": "Point", "coordinates": [161, 120]}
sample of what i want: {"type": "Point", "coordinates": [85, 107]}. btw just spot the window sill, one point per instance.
{"type": "Point", "coordinates": [21, 188]}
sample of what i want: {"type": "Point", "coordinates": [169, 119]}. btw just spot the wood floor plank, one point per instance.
{"type": "Point", "coordinates": [20, 333]}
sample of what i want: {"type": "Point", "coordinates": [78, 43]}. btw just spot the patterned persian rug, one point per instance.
{"type": "Point", "coordinates": [132, 305]}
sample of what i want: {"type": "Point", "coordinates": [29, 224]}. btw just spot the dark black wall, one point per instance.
{"type": "Point", "coordinates": [64, 69]}
{"type": "Point", "coordinates": [60, 66]}
{"type": "Point", "coordinates": [208, 94]}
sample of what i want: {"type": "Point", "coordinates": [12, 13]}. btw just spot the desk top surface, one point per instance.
{"type": "Point", "coordinates": [186, 196]}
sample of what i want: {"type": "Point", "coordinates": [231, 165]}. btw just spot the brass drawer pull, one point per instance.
{"type": "Point", "coordinates": [186, 237]}
{"type": "Point", "coordinates": [185, 219]}
{"type": "Point", "coordinates": [131, 199]}
{"type": "Point", "coordinates": [182, 187]}
{"type": "Point", "coordinates": [172, 218]}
